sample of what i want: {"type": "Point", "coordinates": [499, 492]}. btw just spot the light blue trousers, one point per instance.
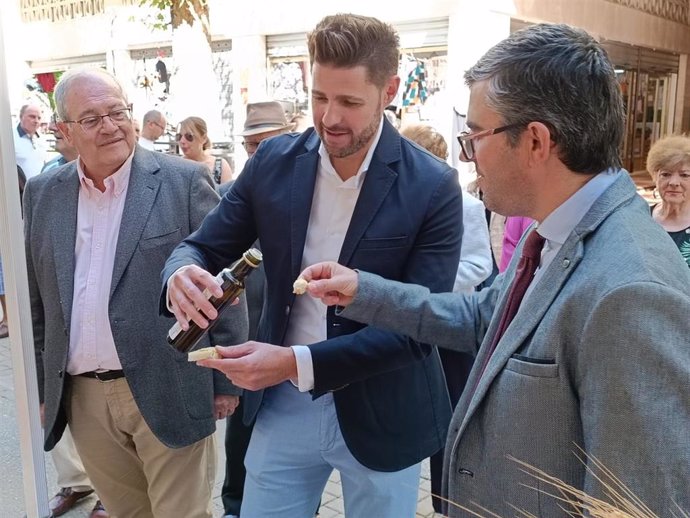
{"type": "Point", "coordinates": [295, 445]}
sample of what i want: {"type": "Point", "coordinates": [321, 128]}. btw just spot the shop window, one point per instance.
{"type": "Point", "coordinates": [421, 96]}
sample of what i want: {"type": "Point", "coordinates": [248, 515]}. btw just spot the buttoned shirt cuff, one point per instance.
{"type": "Point", "coordinates": [305, 368]}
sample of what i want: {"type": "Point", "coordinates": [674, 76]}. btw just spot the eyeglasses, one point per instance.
{"type": "Point", "coordinates": [250, 146]}
{"type": "Point", "coordinates": [117, 117]}
{"type": "Point", "coordinates": [158, 125]}
{"type": "Point", "coordinates": [189, 137]}
{"type": "Point", "coordinates": [466, 139]}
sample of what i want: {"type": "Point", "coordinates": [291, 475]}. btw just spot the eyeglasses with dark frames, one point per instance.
{"type": "Point", "coordinates": [158, 125]}
{"type": "Point", "coordinates": [466, 139]}
{"type": "Point", "coordinates": [117, 117]}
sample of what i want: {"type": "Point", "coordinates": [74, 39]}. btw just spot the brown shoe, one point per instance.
{"type": "Point", "coordinates": [65, 499]}
{"type": "Point", "coordinates": [99, 511]}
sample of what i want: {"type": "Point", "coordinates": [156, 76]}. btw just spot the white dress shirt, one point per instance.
{"type": "Point", "coordinates": [91, 343]}
{"type": "Point", "coordinates": [558, 225]}
{"type": "Point", "coordinates": [146, 143]}
{"type": "Point", "coordinates": [30, 152]}
{"type": "Point", "coordinates": [332, 206]}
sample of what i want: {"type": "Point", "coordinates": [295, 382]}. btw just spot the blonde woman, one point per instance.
{"type": "Point", "coordinates": [668, 162]}
{"type": "Point", "coordinates": [192, 137]}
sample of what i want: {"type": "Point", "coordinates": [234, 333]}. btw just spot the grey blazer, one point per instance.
{"type": "Point", "coordinates": [598, 357]}
{"type": "Point", "coordinates": [166, 200]}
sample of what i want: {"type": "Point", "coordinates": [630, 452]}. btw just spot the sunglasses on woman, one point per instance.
{"type": "Point", "coordinates": [187, 136]}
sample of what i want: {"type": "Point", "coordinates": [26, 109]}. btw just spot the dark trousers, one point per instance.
{"type": "Point", "coordinates": [237, 436]}
{"type": "Point", "coordinates": [456, 367]}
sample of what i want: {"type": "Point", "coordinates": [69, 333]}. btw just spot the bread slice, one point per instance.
{"type": "Point", "coordinates": [206, 353]}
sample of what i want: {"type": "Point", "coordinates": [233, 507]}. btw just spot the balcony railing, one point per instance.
{"type": "Point", "coordinates": [60, 10]}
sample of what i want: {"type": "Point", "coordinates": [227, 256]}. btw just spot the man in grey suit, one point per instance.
{"type": "Point", "coordinates": [597, 355]}
{"type": "Point", "coordinates": [98, 231]}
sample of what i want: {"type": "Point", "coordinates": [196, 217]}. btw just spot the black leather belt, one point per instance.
{"type": "Point", "coordinates": [103, 375]}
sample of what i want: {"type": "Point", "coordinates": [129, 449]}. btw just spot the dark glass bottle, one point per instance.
{"type": "Point", "coordinates": [231, 281]}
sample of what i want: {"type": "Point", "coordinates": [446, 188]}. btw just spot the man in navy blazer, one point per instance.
{"type": "Point", "coordinates": [588, 383]}
{"type": "Point", "coordinates": [332, 393]}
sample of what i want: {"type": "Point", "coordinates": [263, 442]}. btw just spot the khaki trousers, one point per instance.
{"type": "Point", "coordinates": [134, 474]}
{"type": "Point", "coordinates": [68, 466]}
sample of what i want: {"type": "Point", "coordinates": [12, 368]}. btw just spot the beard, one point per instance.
{"type": "Point", "coordinates": [359, 141]}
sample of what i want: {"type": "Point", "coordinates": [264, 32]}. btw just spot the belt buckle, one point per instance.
{"type": "Point", "coordinates": [98, 377]}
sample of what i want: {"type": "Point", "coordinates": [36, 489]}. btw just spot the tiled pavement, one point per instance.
{"type": "Point", "coordinates": [12, 502]}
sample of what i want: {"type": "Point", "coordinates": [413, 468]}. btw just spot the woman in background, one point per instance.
{"type": "Point", "coordinates": [668, 162]}
{"type": "Point", "coordinates": [192, 137]}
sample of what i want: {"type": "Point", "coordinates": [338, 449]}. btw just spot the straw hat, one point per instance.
{"type": "Point", "coordinates": [264, 117]}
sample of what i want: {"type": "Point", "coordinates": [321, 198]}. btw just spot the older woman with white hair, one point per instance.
{"type": "Point", "coordinates": [668, 162]}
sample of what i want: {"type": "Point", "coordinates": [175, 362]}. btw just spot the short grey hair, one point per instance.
{"type": "Point", "coordinates": [65, 83]}
{"type": "Point", "coordinates": [562, 77]}
{"type": "Point", "coordinates": [25, 107]}
{"type": "Point", "coordinates": [152, 116]}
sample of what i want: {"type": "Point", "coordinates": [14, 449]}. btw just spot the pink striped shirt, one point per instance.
{"type": "Point", "coordinates": [91, 343]}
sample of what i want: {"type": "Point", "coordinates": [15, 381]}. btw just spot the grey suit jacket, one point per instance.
{"type": "Point", "coordinates": [167, 199]}
{"type": "Point", "coordinates": [598, 357]}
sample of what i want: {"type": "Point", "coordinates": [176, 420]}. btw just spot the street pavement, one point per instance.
{"type": "Point", "coordinates": [12, 500]}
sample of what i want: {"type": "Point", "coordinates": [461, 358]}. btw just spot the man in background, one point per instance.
{"type": "Point", "coordinates": [264, 120]}
{"type": "Point", "coordinates": [67, 151]}
{"type": "Point", "coordinates": [152, 128]}
{"type": "Point", "coordinates": [29, 148]}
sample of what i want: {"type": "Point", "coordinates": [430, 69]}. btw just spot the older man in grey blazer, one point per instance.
{"type": "Point", "coordinates": [596, 356]}
{"type": "Point", "coordinates": [98, 231]}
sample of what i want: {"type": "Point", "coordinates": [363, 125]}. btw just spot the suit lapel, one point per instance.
{"type": "Point", "coordinates": [301, 195]}
{"type": "Point", "coordinates": [530, 315]}
{"type": "Point", "coordinates": [377, 183]}
{"type": "Point", "coordinates": [141, 193]}
{"type": "Point", "coordinates": [65, 198]}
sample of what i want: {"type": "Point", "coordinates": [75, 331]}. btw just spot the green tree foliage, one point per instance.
{"type": "Point", "coordinates": [190, 12]}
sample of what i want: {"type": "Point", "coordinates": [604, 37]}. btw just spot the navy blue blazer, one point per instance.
{"type": "Point", "coordinates": [389, 391]}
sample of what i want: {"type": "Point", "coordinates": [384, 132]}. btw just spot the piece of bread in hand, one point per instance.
{"type": "Point", "coordinates": [299, 287]}
{"type": "Point", "coordinates": [206, 353]}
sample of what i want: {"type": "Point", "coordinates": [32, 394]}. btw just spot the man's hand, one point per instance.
{"type": "Point", "coordinates": [187, 300]}
{"type": "Point", "coordinates": [224, 405]}
{"type": "Point", "coordinates": [334, 284]}
{"type": "Point", "coordinates": [255, 365]}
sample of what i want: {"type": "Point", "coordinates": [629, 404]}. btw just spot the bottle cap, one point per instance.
{"type": "Point", "coordinates": [253, 257]}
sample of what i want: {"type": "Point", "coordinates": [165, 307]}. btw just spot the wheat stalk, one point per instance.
{"type": "Point", "coordinates": [623, 503]}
